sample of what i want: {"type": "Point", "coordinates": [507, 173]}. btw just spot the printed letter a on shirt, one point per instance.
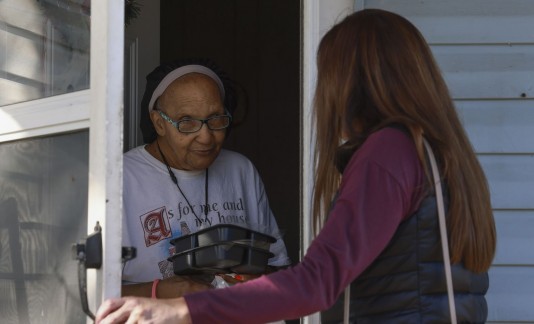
{"type": "Point", "coordinates": [156, 226]}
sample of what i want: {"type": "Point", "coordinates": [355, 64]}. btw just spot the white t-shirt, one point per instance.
{"type": "Point", "coordinates": [155, 211]}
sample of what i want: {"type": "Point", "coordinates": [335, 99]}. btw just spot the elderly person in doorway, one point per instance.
{"type": "Point", "coordinates": [183, 180]}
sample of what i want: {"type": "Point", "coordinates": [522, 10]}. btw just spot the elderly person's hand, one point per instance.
{"type": "Point", "coordinates": [175, 286]}
{"type": "Point", "coordinates": [143, 310]}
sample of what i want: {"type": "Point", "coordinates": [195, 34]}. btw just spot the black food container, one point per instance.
{"type": "Point", "coordinates": [222, 257]}
{"type": "Point", "coordinates": [222, 248]}
{"type": "Point", "coordinates": [254, 261]}
{"type": "Point", "coordinates": [223, 233]}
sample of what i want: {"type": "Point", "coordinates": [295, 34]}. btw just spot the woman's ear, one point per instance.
{"type": "Point", "coordinates": [158, 122]}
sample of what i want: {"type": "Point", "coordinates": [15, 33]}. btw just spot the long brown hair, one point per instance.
{"type": "Point", "coordinates": [375, 69]}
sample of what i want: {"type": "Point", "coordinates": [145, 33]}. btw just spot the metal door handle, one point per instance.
{"type": "Point", "coordinates": [89, 256]}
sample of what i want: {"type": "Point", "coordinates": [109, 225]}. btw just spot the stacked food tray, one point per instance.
{"type": "Point", "coordinates": [223, 248]}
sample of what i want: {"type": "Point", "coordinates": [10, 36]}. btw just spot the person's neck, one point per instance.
{"type": "Point", "coordinates": [152, 149]}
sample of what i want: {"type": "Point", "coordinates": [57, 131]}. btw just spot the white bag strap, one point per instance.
{"type": "Point", "coordinates": [443, 230]}
{"type": "Point", "coordinates": [346, 305]}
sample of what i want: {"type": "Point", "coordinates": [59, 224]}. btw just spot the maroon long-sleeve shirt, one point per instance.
{"type": "Point", "coordinates": [380, 187]}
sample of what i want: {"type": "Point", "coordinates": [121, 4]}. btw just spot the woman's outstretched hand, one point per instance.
{"type": "Point", "coordinates": [131, 310]}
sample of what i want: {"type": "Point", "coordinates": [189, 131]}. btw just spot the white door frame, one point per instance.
{"type": "Point", "coordinates": [105, 143]}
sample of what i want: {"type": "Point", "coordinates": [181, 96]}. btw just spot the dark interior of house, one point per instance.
{"type": "Point", "coordinates": [257, 43]}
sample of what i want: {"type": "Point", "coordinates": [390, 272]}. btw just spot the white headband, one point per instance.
{"type": "Point", "coordinates": [179, 72]}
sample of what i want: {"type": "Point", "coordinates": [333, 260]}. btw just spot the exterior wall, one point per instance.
{"type": "Point", "coordinates": [485, 49]}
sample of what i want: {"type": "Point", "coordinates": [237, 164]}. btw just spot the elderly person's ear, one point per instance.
{"type": "Point", "coordinates": [158, 122]}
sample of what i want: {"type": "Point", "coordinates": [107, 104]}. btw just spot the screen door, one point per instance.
{"type": "Point", "coordinates": [61, 67]}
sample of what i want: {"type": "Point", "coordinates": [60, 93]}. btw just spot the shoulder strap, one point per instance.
{"type": "Point", "coordinates": [443, 230]}
{"type": "Point", "coordinates": [346, 305]}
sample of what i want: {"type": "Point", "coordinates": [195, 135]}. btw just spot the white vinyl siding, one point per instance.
{"type": "Point", "coordinates": [499, 126]}
{"type": "Point", "coordinates": [485, 49]}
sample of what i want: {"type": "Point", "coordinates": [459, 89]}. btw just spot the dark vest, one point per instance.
{"type": "Point", "coordinates": [406, 283]}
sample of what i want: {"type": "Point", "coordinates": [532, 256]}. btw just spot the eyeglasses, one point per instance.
{"type": "Point", "coordinates": [192, 125]}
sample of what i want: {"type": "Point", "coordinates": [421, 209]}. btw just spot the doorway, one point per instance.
{"type": "Point", "coordinates": [257, 43]}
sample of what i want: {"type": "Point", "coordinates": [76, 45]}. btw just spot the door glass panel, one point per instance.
{"type": "Point", "coordinates": [43, 211]}
{"type": "Point", "coordinates": [44, 48]}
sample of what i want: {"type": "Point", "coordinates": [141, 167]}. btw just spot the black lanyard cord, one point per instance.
{"type": "Point", "coordinates": [173, 178]}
